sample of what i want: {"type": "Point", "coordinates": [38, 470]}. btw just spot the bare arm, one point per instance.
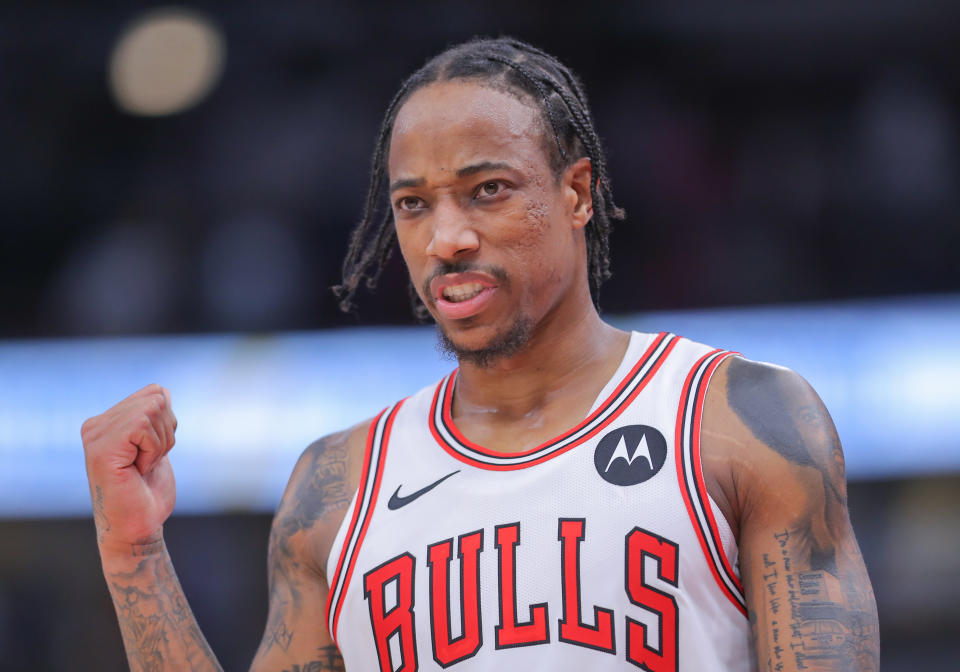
{"type": "Point", "coordinates": [809, 597]}
{"type": "Point", "coordinates": [132, 491]}
{"type": "Point", "coordinates": [158, 628]}
{"type": "Point", "coordinates": [306, 523]}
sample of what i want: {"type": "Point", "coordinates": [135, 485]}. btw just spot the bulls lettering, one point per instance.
{"type": "Point", "coordinates": [640, 546]}
{"type": "Point", "coordinates": [399, 619]}
{"type": "Point", "coordinates": [572, 628]}
{"type": "Point", "coordinates": [509, 632]}
{"type": "Point", "coordinates": [389, 590]}
{"type": "Point", "coordinates": [446, 650]}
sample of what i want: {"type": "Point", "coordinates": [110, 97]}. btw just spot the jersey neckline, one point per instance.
{"type": "Point", "coordinates": [612, 405]}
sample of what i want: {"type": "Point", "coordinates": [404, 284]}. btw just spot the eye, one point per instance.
{"type": "Point", "coordinates": [409, 203]}
{"type": "Point", "coordinates": [488, 189]}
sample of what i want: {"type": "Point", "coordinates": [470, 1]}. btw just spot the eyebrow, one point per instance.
{"type": "Point", "coordinates": [407, 183]}
{"type": "Point", "coordinates": [475, 168]}
{"type": "Point", "coordinates": [466, 171]}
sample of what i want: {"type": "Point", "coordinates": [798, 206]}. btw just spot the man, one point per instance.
{"type": "Point", "coordinates": [572, 497]}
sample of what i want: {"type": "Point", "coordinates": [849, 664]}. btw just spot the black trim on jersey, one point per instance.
{"type": "Point", "coordinates": [433, 597]}
{"type": "Point", "coordinates": [399, 628]}
{"type": "Point", "coordinates": [563, 588]}
{"type": "Point", "coordinates": [463, 618]}
{"type": "Point", "coordinates": [715, 554]}
{"type": "Point", "coordinates": [626, 584]}
{"type": "Point", "coordinates": [513, 607]}
{"type": "Point", "coordinates": [367, 490]}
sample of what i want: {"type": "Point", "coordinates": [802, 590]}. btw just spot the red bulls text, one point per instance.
{"type": "Point", "coordinates": [389, 590]}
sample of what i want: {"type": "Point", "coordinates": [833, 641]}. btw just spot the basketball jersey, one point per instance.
{"type": "Point", "coordinates": [597, 549]}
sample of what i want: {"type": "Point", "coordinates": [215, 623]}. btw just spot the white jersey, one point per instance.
{"type": "Point", "coordinates": [594, 550]}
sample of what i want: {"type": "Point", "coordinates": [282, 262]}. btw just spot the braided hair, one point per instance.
{"type": "Point", "coordinates": [519, 69]}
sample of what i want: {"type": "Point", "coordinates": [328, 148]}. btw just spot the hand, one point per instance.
{"type": "Point", "coordinates": [131, 480]}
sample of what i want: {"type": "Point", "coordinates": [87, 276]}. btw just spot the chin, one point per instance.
{"type": "Point", "coordinates": [485, 352]}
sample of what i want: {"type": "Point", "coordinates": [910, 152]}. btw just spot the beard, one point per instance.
{"type": "Point", "coordinates": [504, 345]}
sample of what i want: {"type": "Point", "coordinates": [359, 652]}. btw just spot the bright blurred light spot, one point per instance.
{"type": "Point", "coordinates": [166, 62]}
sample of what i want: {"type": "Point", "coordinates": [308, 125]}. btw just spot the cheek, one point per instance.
{"type": "Point", "coordinates": [539, 248]}
{"type": "Point", "coordinates": [410, 250]}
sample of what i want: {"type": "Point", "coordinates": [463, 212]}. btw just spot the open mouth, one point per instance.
{"type": "Point", "coordinates": [464, 292]}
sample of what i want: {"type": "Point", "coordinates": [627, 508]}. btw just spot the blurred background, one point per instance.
{"type": "Point", "coordinates": [177, 185]}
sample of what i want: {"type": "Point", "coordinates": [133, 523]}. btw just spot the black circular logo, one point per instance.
{"type": "Point", "coordinates": [630, 455]}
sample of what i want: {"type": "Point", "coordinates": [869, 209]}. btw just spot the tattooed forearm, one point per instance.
{"type": "Point", "coordinates": [99, 514]}
{"type": "Point", "coordinates": [811, 619]}
{"type": "Point", "coordinates": [329, 660]}
{"type": "Point", "coordinates": [159, 630]}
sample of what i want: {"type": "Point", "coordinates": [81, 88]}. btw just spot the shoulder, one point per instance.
{"type": "Point", "coordinates": [318, 494]}
{"type": "Point", "coordinates": [765, 430]}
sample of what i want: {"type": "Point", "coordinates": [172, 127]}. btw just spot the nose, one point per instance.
{"type": "Point", "coordinates": [453, 233]}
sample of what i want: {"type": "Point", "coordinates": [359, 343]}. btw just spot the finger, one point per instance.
{"type": "Point", "coordinates": [122, 409]}
{"type": "Point", "coordinates": [150, 446]}
{"type": "Point", "coordinates": [170, 419]}
{"type": "Point", "coordinates": [145, 391]}
{"type": "Point", "coordinates": [157, 411]}
{"type": "Point", "coordinates": [169, 430]}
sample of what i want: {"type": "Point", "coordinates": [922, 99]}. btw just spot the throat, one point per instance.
{"type": "Point", "coordinates": [516, 410]}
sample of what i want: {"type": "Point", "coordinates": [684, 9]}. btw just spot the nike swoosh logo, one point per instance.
{"type": "Point", "coordinates": [396, 501]}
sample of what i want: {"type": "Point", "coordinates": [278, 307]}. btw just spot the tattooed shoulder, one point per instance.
{"type": "Point", "coordinates": [784, 413]}
{"type": "Point", "coordinates": [303, 530]}
{"type": "Point", "coordinates": [319, 481]}
{"type": "Point", "coordinates": [808, 593]}
{"type": "Point", "coordinates": [319, 491]}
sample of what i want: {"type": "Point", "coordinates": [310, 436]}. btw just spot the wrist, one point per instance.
{"type": "Point", "coordinates": [119, 554]}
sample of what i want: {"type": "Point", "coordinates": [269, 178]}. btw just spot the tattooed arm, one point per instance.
{"type": "Point", "coordinates": [132, 491]}
{"type": "Point", "coordinates": [296, 637]}
{"type": "Point", "coordinates": [774, 464]}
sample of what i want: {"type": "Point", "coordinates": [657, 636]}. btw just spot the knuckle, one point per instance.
{"type": "Point", "coordinates": [153, 406]}
{"type": "Point", "coordinates": [144, 423]}
{"type": "Point", "coordinates": [90, 428]}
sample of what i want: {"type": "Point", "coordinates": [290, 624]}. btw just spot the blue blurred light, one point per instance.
{"type": "Point", "coordinates": [248, 405]}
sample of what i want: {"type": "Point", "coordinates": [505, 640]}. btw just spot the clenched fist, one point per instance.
{"type": "Point", "coordinates": [131, 481]}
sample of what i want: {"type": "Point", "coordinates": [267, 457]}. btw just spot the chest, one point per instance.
{"type": "Point", "coordinates": [456, 553]}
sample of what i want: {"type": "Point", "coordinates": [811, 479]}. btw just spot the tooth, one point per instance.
{"type": "Point", "coordinates": [457, 293]}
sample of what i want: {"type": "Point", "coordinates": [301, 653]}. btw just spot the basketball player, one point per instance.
{"type": "Point", "coordinates": [572, 497]}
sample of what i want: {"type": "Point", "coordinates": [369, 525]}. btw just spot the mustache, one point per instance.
{"type": "Point", "coordinates": [462, 267]}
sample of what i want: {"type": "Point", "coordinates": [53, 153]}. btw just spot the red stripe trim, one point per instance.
{"type": "Point", "coordinates": [698, 469]}
{"type": "Point", "coordinates": [448, 417]}
{"type": "Point", "coordinates": [447, 405]}
{"type": "Point", "coordinates": [452, 451]}
{"type": "Point", "coordinates": [353, 522]}
{"type": "Point", "coordinates": [698, 475]}
{"type": "Point", "coordinates": [384, 442]}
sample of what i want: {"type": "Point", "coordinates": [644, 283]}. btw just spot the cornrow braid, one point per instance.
{"type": "Point", "coordinates": [519, 69]}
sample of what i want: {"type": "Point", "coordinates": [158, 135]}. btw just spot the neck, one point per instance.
{"type": "Point", "coordinates": [577, 355]}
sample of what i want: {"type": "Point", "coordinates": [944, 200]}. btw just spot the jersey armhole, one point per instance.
{"type": "Point", "coordinates": [712, 529]}
{"type": "Point", "coordinates": [360, 512]}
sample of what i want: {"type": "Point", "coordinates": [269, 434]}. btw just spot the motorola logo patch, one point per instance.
{"type": "Point", "coordinates": [630, 455]}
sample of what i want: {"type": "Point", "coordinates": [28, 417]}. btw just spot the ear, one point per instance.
{"type": "Point", "coordinates": [576, 191]}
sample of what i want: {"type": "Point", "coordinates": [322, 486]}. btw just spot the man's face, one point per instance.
{"type": "Point", "coordinates": [492, 239]}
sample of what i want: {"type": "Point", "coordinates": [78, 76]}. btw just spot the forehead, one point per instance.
{"type": "Point", "coordinates": [447, 125]}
